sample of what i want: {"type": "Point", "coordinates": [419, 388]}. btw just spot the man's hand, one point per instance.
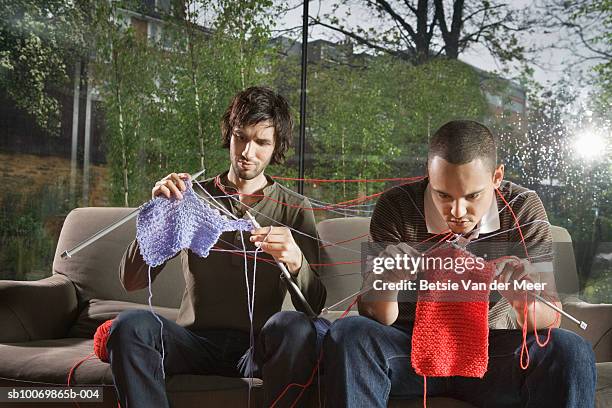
{"type": "Point", "coordinates": [278, 242]}
{"type": "Point", "coordinates": [539, 315]}
{"type": "Point", "coordinates": [382, 306]}
{"type": "Point", "coordinates": [513, 270]}
{"type": "Point", "coordinates": [172, 184]}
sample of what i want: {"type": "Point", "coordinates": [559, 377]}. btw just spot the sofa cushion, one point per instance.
{"type": "Point", "coordinates": [566, 275]}
{"type": "Point", "coordinates": [98, 311]}
{"type": "Point", "coordinates": [48, 362]}
{"type": "Point", "coordinates": [603, 396]}
{"type": "Point", "coordinates": [212, 391]}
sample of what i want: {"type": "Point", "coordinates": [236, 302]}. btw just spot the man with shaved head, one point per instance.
{"type": "Point", "coordinates": [367, 358]}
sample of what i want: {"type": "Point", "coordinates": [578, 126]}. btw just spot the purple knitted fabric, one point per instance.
{"type": "Point", "coordinates": [165, 226]}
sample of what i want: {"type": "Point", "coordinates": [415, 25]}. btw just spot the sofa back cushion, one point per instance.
{"type": "Point", "coordinates": [566, 274]}
{"type": "Point", "coordinates": [95, 269]}
{"type": "Point", "coordinates": [342, 274]}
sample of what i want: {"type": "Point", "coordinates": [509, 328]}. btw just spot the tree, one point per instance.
{"type": "Point", "coordinates": [37, 39]}
{"type": "Point", "coordinates": [584, 30]}
{"type": "Point", "coordinates": [424, 97]}
{"type": "Point", "coordinates": [350, 128]}
{"type": "Point", "coordinates": [370, 117]}
{"type": "Point", "coordinates": [425, 29]}
{"type": "Point", "coordinates": [164, 95]}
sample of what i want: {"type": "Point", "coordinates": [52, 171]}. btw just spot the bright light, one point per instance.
{"type": "Point", "coordinates": [590, 145]}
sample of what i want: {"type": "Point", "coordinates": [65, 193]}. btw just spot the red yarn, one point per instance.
{"type": "Point", "coordinates": [100, 339]}
{"type": "Point", "coordinates": [451, 332]}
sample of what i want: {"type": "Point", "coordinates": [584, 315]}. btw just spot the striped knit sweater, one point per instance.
{"type": "Point", "coordinates": [399, 217]}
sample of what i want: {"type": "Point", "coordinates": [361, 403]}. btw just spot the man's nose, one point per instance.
{"type": "Point", "coordinates": [458, 210]}
{"type": "Point", "coordinates": [249, 150]}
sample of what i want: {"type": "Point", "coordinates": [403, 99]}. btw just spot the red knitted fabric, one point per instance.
{"type": "Point", "coordinates": [100, 339]}
{"type": "Point", "coordinates": [450, 336]}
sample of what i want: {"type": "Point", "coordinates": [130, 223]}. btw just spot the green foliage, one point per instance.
{"type": "Point", "coordinates": [164, 97]}
{"type": "Point", "coordinates": [350, 129]}
{"type": "Point", "coordinates": [36, 40]}
{"type": "Point", "coordinates": [424, 97]}
{"type": "Point", "coordinates": [373, 121]}
{"type": "Point", "coordinates": [28, 228]}
{"type": "Point", "coordinates": [599, 12]}
{"type": "Point", "coordinates": [597, 290]}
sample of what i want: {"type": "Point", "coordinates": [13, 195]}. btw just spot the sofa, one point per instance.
{"type": "Point", "coordinates": [47, 326]}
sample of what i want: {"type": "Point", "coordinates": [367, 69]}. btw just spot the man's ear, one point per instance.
{"type": "Point", "coordinates": [498, 175]}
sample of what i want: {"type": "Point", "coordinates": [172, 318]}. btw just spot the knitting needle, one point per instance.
{"type": "Point", "coordinates": [291, 285]}
{"type": "Point", "coordinates": [287, 277]}
{"type": "Point", "coordinates": [86, 242]}
{"type": "Point", "coordinates": [582, 324]}
{"type": "Point", "coordinates": [328, 309]}
{"type": "Point", "coordinates": [364, 290]}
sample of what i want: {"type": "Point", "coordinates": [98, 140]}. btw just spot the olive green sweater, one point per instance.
{"type": "Point", "coordinates": [215, 294]}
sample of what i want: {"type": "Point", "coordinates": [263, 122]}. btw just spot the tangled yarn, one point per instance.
{"type": "Point", "coordinates": [165, 226]}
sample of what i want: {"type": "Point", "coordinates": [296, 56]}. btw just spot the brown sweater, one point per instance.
{"type": "Point", "coordinates": [215, 289]}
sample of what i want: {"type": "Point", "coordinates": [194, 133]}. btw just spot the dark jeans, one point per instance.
{"type": "Point", "coordinates": [286, 352]}
{"type": "Point", "coordinates": [366, 363]}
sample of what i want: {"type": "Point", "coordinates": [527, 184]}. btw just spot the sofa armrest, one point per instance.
{"type": "Point", "coordinates": [36, 310]}
{"type": "Point", "coordinates": [599, 330]}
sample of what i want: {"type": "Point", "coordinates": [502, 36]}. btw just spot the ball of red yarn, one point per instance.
{"type": "Point", "coordinates": [100, 339]}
